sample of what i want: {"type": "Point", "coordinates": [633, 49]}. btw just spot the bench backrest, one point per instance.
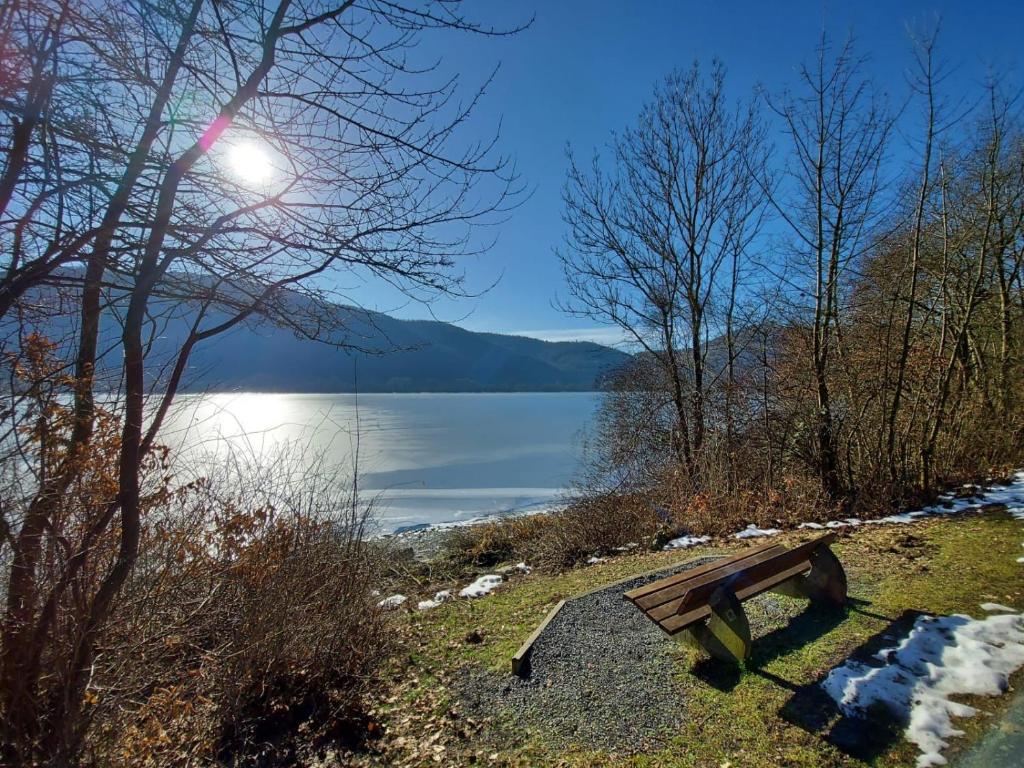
{"type": "Point", "coordinates": [681, 600]}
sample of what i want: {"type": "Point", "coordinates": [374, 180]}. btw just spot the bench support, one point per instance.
{"type": "Point", "coordinates": [824, 583]}
{"type": "Point", "coordinates": [726, 635]}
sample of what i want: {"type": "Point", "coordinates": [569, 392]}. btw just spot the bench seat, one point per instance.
{"type": "Point", "coordinates": [706, 599]}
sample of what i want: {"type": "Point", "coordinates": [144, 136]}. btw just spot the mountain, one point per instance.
{"type": "Point", "coordinates": [374, 352]}
{"type": "Point", "coordinates": [399, 356]}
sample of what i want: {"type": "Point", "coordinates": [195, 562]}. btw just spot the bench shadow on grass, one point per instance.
{"type": "Point", "coordinates": [813, 710]}
{"type": "Point", "coordinates": [805, 627]}
{"type": "Point", "coordinates": [808, 706]}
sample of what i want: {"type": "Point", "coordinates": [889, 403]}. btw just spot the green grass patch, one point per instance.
{"type": "Point", "coordinates": [771, 712]}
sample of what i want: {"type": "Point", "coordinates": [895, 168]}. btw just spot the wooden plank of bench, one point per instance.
{"type": "Point", "coordinates": [683, 593]}
{"type": "Point", "coordinates": [692, 573]}
{"type": "Point", "coordinates": [678, 590]}
{"type": "Point", "coordinates": [654, 586]}
{"type": "Point", "coordinates": [758, 578]}
{"type": "Point", "coordinates": [764, 567]}
{"type": "Point", "coordinates": [679, 622]}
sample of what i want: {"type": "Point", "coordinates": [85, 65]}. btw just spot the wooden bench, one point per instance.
{"type": "Point", "coordinates": [706, 600]}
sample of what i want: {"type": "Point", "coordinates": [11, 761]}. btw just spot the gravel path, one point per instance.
{"type": "Point", "coordinates": [601, 677]}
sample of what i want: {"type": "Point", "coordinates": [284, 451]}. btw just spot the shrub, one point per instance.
{"type": "Point", "coordinates": [248, 632]}
{"type": "Point", "coordinates": [590, 525]}
{"type": "Point", "coordinates": [720, 512]}
{"type": "Point", "coordinates": [498, 541]}
{"type": "Point", "coordinates": [595, 525]}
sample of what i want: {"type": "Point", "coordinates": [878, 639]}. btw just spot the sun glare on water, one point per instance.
{"type": "Point", "coordinates": [250, 163]}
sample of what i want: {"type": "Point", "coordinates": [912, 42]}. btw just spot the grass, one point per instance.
{"type": "Point", "coordinates": [770, 713]}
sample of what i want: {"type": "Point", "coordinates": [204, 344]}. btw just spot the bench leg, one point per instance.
{"type": "Point", "coordinates": [824, 583]}
{"type": "Point", "coordinates": [827, 580]}
{"type": "Point", "coordinates": [726, 635]}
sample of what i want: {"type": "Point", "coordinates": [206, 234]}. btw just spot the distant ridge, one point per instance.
{"type": "Point", "coordinates": [375, 353]}
{"type": "Point", "coordinates": [400, 356]}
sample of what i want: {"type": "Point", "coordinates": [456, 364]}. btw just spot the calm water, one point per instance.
{"type": "Point", "coordinates": [429, 458]}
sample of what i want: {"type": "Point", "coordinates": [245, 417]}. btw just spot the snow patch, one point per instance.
{"type": "Point", "coordinates": [940, 658]}
{"type": "Point", "coordinates": [901, 519]}
{"type": "Point", "coordinates": [1011, 496]}
{"type": "Point", "coordinates": [392, 602]}
{"type": "Point", "coordinates": [848, 522]}
{"type": "Point", "coordinates": [990, 607]}
{"type": "Point", "coordinates": [441, 597]}
{"type": "Point", "coordinates": [627, 547]}
{"type": "Point", "coordinates": [523, 568]}
{"type": "Point", "coordinates": [482, 586]}
{"type": "Point", "coordinates": [684, 542]}
{"type": "Point", "coordinates": [752, 532]}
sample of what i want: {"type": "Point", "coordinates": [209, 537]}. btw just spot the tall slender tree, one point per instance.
{"type": "Point", "coordinates": [837, 130]}
{"type": "Point", "coordinates": [653, 238]}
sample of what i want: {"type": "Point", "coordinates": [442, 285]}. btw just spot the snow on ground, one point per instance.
{"type": "Point", "coordinates": [392, 602]}
{"type": "Point", "coordinates": [594, 560]}
{"type": "Point", "coordinates": [901, 519]}
{"type": "Point", "coordinates": [941, 657]}
{"type": "Point", "coordinates": [482, 586]}
{"type": "Point", "coordinates": [1012, 496]}
{"type": "Point", "coordinates": [990, 607]}
{"type": "Point", "coordinates": [850, 521]}
{"type": "Point", "coordinates": [440, 597]}
{"type": "Point", "coordinates": [523, 568]}
{"type": "Point", "coordinates": [752, 532]}
{"type": "Point", "coordinates": [686, 541]}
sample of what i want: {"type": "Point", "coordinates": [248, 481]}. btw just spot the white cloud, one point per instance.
{"type": "Point", "coordinates": [610, 337]}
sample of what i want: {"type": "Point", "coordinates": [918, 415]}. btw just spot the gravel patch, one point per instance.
{"type": "Point", "coordinates": [601, 677]}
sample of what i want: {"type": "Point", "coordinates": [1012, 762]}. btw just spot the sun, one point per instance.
{"type": "Point", "coordinates": [250, 163]}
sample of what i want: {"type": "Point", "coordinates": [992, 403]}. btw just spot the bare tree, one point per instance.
{"type": "Point", "coordinates": [924, 85]}
{"type": "Point", "coordinates": [1009, 269]}
{"type": "Point", "coordinates": [979, 212]}
{"type": "Point", "coordinates": [877, 363]}
{"type": "Point", "coordinates": [122, 167]}
{"type": "Point", "coordinates": [837, 131]}
{"type": "Point", "coordinates": [654, 240]}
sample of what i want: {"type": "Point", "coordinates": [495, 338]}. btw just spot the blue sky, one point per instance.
{"type": "Point", "coordinates": [584, 68]}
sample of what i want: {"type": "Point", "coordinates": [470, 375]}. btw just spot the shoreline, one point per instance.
{"type": "Point", "coordinates": [425, 539]}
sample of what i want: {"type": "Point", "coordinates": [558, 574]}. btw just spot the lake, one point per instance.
{"type": "Point", "coordinates": [427, 458]}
